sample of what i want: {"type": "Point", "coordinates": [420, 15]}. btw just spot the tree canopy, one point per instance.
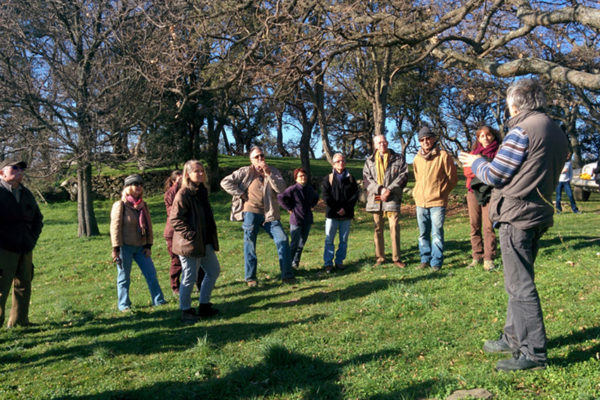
{"type": "Point", "coordinates": [86, 82]}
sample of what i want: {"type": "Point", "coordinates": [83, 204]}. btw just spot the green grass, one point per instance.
{"type": "Point", "coordinates": [365, 333]}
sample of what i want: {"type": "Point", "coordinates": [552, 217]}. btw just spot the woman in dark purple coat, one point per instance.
{"type": "Point", "coordinates": [298, 200]}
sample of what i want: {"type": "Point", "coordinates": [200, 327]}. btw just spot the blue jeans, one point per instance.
{"type": "Point", "coordinates": [567, 186]}
{"type": "Point", "coordinates": [189, 274]}
{"type": "Point", "coordinates": [331, 227]}
{"type": "Point", "coordinates": [252, 222]}
{"type": "Point", "coordinates": [299, 235]}
{"type": "Point", "coordinates": [128, 254]}
{"type": "Point", "coordinates": [431, 234]}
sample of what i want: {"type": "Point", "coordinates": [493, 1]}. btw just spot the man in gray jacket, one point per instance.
{"type": "Point", "coordinates": [384, 177]}
{"type": "Point", "coordinates": [524, 174]}
{"type": "Point", "coordinates": [254, 189]}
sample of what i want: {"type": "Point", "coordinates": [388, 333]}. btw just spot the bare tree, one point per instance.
{"type": "Point", "coordinates": [69, 87]}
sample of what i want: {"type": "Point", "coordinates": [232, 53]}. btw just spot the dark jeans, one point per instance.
{"type": "Point", "coordinates": [565, 185]}
{"type": "Point", "coordinates": [524, 328]}
{"type": "Point", "coordinates": [299, 235]}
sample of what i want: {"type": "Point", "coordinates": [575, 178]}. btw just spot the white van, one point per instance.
{"type": "Point", "coordinates": [583, 182]}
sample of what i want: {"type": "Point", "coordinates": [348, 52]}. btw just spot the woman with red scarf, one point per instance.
{"type": "Point", "coordinates": [131, 237]}
{"type": "Point", "coordinates": [483, 241]}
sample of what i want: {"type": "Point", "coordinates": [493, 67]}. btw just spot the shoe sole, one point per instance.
{"type": "Point", "coordinates": [536, 368]}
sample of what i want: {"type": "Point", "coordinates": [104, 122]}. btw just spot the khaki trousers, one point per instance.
{"type": "Point", "coordinates": [15, 270]}
{"type": "Point", "coordinates": [394, 222]}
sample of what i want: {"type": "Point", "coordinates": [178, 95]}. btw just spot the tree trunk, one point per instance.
{"type": "Point", "coordinates": [86, 219]}
{"type": "Point", "coordinates": [319, 100]}
{"type": "Point", "coordinates": [305, 147]}
{"type": "Point", "coordinates": [226, 142]}
{"type": "Point", "coordinates": [280, 148]}
{"type": "Point", "coordinates": [212, 156]}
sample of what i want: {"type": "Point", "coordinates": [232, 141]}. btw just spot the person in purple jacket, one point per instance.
{"type": "Point", "coordinates": [298, 200]}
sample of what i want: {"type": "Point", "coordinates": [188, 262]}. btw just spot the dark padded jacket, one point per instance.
{"type": "Point", "coordinates": [20, 223]}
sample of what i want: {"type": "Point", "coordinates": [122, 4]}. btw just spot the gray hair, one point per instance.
{"type": "Point", "coordinates": [526, 95]}
{"type": "Point", "coordinates": [338, 154]}
{"type": "Point", "coordinates": [253, 148]}
{"type": "Point", "coordinates": [378, 136]}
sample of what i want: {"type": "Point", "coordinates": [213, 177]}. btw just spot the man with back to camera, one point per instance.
{"type": "Point", "coordinates": [384, 177]}
{"type": "Point", "coordinates": [20, 228]}
{"type": "Point", "coordinates": [254, 189]}
{"type": "Point", "coordinates": [524, 174]}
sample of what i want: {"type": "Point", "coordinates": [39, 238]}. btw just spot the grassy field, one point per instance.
{"type": "Point", "coordinates": [365, 333]}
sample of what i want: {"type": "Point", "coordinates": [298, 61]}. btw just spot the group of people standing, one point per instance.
{"type": "Point", "coordinates": [523, 170]}
{"type": "Point", "coordinates": [259, 190]}
{"type": "Point", "coordinates": [191, 235]}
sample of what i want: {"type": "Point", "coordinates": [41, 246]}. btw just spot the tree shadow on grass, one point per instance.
{"type": "Point", "coordinates": [142, 333]}
{"type": "Point", "coordinates": [571, 242]}
{"type": "Point", "coordinates": [282, 373]}
{"type": "Point", "coordinates": [361, 289]}
{"type": "Point", "coordinates": [581, 354]}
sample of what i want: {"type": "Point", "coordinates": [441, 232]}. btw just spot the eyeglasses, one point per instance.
{"type": "Point", "coordinates": [256, 157]}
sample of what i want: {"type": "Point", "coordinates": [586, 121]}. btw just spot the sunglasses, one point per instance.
{"type": "Point", "coordinates": [426, 138]}
{"type": "Point", "coordinates": [256, 157]}
{"type": "Point", "coordinates": [17, 168]}
{"type": "Point", "coordinates": [137, 184]}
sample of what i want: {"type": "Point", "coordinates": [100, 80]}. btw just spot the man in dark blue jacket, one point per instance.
{"type": "Point", "coordinates": [20, 228]}
{"type": "Point", "coordinates": [340, 193]}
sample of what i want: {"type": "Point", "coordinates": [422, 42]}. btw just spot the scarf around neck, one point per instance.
{"type": "Point", "coordinates": [431, 153]}
{"type": "Point", "coordinates": [381, 164]}
{"type": "Point", "coordinates": [489, 151]}
{"type": "Point", "coordinates": [138, 205]}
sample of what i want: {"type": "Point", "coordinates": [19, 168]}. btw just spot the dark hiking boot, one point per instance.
{"type": "Point", "coordinates": [519, 362]}
{"type": "Point", "coordinates": [206, 310]}
{"type": "Point", "coordinates": [189, 316]}
{"type": "Point", "coordinates": [497, 346]}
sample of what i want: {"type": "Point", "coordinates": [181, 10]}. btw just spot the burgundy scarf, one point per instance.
{"type": "Point", "coordinates": [489, 151]}
{"type": "Point", "coordinates": [138, 204]}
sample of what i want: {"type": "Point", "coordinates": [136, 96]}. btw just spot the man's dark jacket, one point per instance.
{"type": "Point", "coordinates": [338, 194]}
{"type": "Point", "coordinates": [20, 223]}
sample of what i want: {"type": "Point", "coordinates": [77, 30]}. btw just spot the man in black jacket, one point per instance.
{"type": "Point", "coordinates": [340, 193]}
{"type": "Point", "coordinates": [20, 228]}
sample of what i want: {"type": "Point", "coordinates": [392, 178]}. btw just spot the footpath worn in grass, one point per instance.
{"type": "Point", "coordinates": [365, 333]}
